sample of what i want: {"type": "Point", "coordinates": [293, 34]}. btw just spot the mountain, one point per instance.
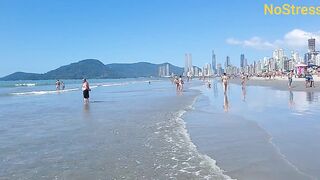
{"type": "Point", "coordinates": [95, 69]}
{"type": "Point", "coordinates": [22, 76]}
{"type": "Point", "coordinates": [89, 68]}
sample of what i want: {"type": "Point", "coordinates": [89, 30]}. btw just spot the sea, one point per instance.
{"type": "Point", "coordinates": [142, 128]}
{"type": "Point", "coordinates": [131, 129]}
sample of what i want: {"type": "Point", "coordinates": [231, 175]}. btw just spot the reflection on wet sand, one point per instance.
{"type": "Point", "coordinates": [225, 103]}
{"type": "Point", "coordinates": [86, 108]}
{"type": "Point", "coordinates": [291, 102]}
{"type": "Point", "coordinates": [310, 97]}
{"type": "Point", "coordinates": [215, 89]}
{"type": "Point", "coordinates": [244, 93]}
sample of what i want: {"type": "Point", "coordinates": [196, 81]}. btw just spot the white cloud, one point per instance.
{"type": "Point", "coordinates": [295, 39]}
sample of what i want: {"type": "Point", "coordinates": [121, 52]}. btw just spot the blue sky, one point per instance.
{"type": "Point", "coordinates": [38, 36]}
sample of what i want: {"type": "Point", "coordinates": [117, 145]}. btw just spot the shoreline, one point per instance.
{"type": "Point", "coordinates": [298, 84]}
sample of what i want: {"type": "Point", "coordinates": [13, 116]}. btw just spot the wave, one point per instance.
{"type": "Point", "coordinates": [45, 92]}
{"type": "Point", "coordinates": [186, 160]}
{"type": "Point", "coordinates": [206, 160]}
{"type": "Point", "coordinates": [25, 84]}
{"type": "Point", "coordinates": [42, 92]}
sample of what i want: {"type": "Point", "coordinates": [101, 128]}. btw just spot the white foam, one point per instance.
{"type": "Point", "coordinates": [44, 92]}
{"type": "Point", "coordinates": [206, 160]}
{"type": "Point", "coordinates": [25, 84]}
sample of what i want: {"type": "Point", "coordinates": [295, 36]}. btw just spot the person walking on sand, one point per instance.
{"type": "Point", "coordinates": [290, 76]}
{"type": "Point", "coordinates": [224, 80]}
{"type": "Point", "coordinates": [85, 90]}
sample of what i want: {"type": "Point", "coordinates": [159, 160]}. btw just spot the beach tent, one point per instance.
{"type": "Point", "coordinates": [301, 68]}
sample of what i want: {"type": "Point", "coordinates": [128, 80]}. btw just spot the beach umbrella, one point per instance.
{"type": "Point", "coordinates": [301, 65]}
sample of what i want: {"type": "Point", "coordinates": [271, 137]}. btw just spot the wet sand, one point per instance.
{"type": "Point", "coordinates": [258, 138]}
{"type": "Point", "coordinates": [298, 84]}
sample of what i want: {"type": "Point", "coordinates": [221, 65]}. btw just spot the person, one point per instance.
{"type": "Point", "coordinates": [180, 83]}
{"type": "Point", "coordinates": [224, 80]}
{"type": "Point", "coordinates": [176, 81]}
{"type": "Point", "coordinates": [311, 80]}
{"type": "Point", "coordinates": [85, 90]}
{"type": "Point", "coordinates": [307, 79]}
{"type": "Point", "coordinates": [209, 83]}
{"type": "Point", "coordinates": [62, 85]}
{"type": "Point", "coordinates": [290, 76]}
{"type": "Point", "coordinates": [58, 85]}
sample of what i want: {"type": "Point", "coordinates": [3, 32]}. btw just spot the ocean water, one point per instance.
{"type": "Point", "coordinates": [130, 130]}
{"type": "Point", "coordinates": [258, 132]}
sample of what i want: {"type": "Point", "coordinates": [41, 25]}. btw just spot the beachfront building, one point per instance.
{"type": "Point", "coordinates": [207, 70]}
{"type": "Point", "coordinates": [164, 70]}
{"type": "Point", "coordinates": [219, 70]}
{"type": "Point", "coordinates": [243, 63]}
{"type": "Point", "coordinates": [196, 71]}
{"type": "Point", "coordinates": [188, 68]}
{"type": "Point", "coordinates": [318, 60]}
{"type": "Point", "coordinates": [214, 63]}
{"type": "Point", "coordinates": [312, 45]}
{"type": "Point", "coordinates": [227, 62]}
{"type": "Point", "coordinates": [258, 67]}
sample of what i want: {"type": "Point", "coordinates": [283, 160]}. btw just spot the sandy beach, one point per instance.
{"type": "Point", "coordinates": [257, 137]}
{"type": "Point", "coordinates": [279, 83]}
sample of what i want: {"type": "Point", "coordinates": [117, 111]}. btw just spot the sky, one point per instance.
{"type": "Point", "coordinates": [38, 36]}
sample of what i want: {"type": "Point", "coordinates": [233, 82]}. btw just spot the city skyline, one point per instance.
{"type": "Point", "coordinates": [38, 36]}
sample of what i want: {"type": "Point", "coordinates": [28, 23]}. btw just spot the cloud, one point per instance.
{"type": "Point", "coordinates": [294, 39]}
{"type": "Point", "coordinates": [254, 42]}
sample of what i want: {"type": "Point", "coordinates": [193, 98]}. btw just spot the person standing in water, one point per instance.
{"type": "Point", "coordinates": [62, 85]}
{"type": "Point", "coordinates": [224, 80]}
{"type": "Point", "coordinates": [181, 83]}
{"type": "Point", "coordinates": [85, 90]}
{"type": "Point", "coordinates": [58, 85]}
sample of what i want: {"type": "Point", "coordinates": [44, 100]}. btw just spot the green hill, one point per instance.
{"type": "Point", "coordinates": [95, 69]}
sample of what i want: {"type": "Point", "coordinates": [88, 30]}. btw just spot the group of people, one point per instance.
{"type": "Point", "coordinates": [179, 83]}
{"type": "Point", "coordinates": [85, 89]}
{"type": "Point", "coordinates": [60, 85]}
{"type": "Point", "coordinates": [309, 81]}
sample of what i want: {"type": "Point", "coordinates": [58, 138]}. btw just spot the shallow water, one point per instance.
{"type": "Point", "coordinates": [258, 132]}
{"type": "Point", "coordinates": [130, 130]}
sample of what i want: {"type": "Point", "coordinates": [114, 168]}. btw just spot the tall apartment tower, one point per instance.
{"type": "Point", "coordinates": [312, 44]}
{"type": "Point", "coordinates": [242, 59]}
{"type": "Point", "coordinates": [214, 62]}
{"type": "Point", "coordinates": [227, 63]}
{"type": "Point", "coordinates": [188, 68]}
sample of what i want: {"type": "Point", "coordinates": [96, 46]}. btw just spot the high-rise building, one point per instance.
{"type": "Point", "coordinates": [188, 68]}
{"type": "Point", "coordinates": [219, 69]}
{"type": "Point", "coordinates": [242, 65]}
{"type": "Point", "coordinates": [227, 63]}
{"type": "Point", "coordinates": [214, 62]}
{"type": "Point", "coordinates": [312, 44]}
{"type": "Point", "coordinates": [295, 56]}
{"type": "Point", "coordinates": [278, 54]}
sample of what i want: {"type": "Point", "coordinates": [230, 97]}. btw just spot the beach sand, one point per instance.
{"type": "Point", "coordinates": [259, 138]}
{"type": "Point", "coordinates": [279, 83]}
